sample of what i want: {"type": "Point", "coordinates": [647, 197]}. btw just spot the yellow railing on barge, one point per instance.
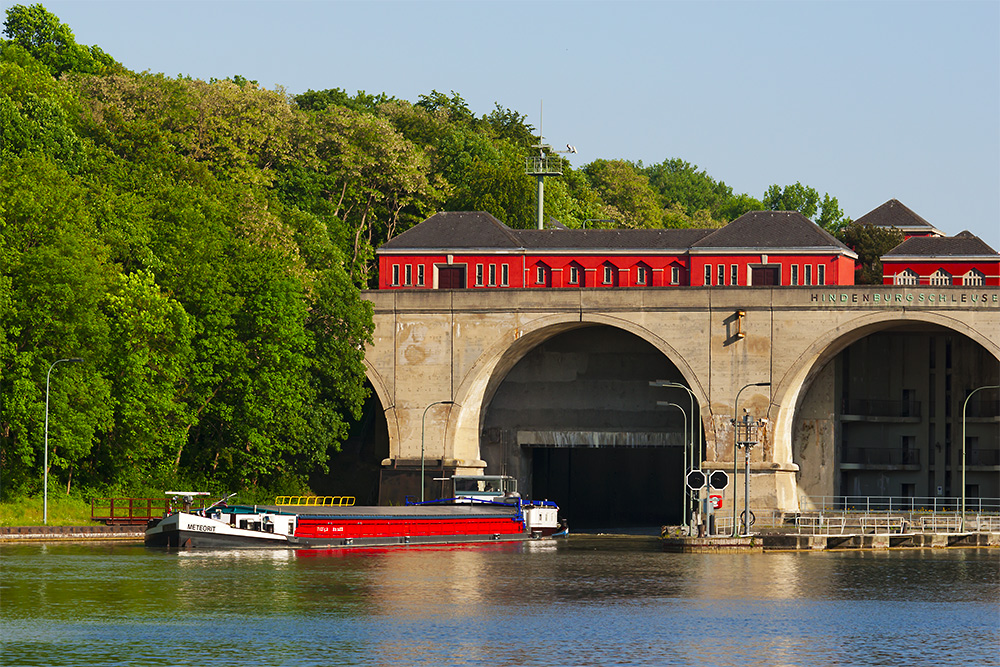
{"type": "Point", "coordinates": [319, 501]}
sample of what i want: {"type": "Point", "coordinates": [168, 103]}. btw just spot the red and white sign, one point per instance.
{"type": "Point", "coordinates": [716, 501]}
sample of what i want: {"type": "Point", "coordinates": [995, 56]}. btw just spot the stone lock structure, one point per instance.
{"type": "Point", "coordinates": [440, 359]}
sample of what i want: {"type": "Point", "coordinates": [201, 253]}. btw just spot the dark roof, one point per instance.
{"type": "Point", "coordinates": [610, 239]}
{"type": "Point", "coordinates": [893, 213]}
{"type": "Point", "coordinates": [455, 229]}
{"type": "Point", "coordinates": [771, 229]}
{"type": "Point", "coordinates": [965, 244]}
{"type": "Point", "coordinates": [471, 230]}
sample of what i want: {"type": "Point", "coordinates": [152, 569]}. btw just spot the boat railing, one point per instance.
{"type": "Point", "coordinates": [315, 501]}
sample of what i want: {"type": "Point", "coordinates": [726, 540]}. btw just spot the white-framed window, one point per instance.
{"type": "Point", "coordinates": [479, 275]}
{"type": "Point", "coordinates": [609, 274]}
{"type": "Point", "coordinates": [906, 277]}
{"type": "Point", "coordinates": [408, 273]}
{"type": "Point", "coordinates": [395, 274]}
{"type": "Point", "coordinates": [504, 275]}
{"type": "Point", "coordinates": [808, 278]}
{"type": "Point", "coordinates": [574, 274]}
{"type": "Point", "coordinates": [640, 275]}
{"type": "Point", "coordinates": [974, 278]}
{"type": "Point", "coordinates": [420, 274]}
{"type": "Point", "coordinates": [795, 274]}
{"type": "Point", "coordinates": [493, 275]}
{"type": "Point", "coordinates": [539, 275]}
{"type": "Point", "coordinates": [820, 274]}
{"type": "Point", "coordinates": [722, 274]}
{"type": "Point", "coordinates": [734, 274]}
{"type": "Point", "coordinates": [708, 274]}
{"type": "Point", "coordinates": [941, 277]}
{"type": "Point", "coordinates": [675, 275]}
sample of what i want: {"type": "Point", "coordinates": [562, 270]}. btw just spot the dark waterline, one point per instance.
{"type": "Point", "coordinates": [588, 600]}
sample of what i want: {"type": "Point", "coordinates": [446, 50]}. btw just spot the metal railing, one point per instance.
{"type": "Point", "coordinates": [543, 164]}
{"type": "Point", "coordinates": [982, 457]}
{"type": "Point", "coordinates": [315, 501]}
{"type": "Point", "coordinates": [871, 504]}
{"type": "Point", "coordinates": [881, 407]}
{"type": "Point", "coordinates": [127, 511]}
{"type": "Point", "coordinates": [881, 456]}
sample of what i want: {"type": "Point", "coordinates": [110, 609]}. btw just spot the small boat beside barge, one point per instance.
{"type": "Point", "coordinates": [484, 509]}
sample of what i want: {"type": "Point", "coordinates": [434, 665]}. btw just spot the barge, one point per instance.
{"type": "Point", "coordinates": [484, 509]}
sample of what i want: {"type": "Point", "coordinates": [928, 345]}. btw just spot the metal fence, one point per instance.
{"type": "Point", "coordinates": [833, 515]}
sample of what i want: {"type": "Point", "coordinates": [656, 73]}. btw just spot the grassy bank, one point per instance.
{"type": "Point", "coordinates": [63, 511]}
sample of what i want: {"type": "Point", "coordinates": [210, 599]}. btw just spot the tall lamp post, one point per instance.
{"type": "Point", "coordinates": [694, 428]}
{"type": "Point", "coordinates": [45, 484]}
{"type": "Point", "coordinates": [684, 470]}
{"type": "Point", "coordinates": [966, 403]}
{"type": "Point", "coordinates": [423, 424]}
{"type": "Point", "coordinates": [736, 414]}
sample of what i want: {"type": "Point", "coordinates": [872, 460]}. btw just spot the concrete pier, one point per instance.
{"type": "Point", "coordinates": [767, 542]}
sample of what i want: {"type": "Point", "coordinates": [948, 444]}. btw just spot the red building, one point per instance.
{"type": "Point", "coordinates": [475, 250]}
{"type": "Point", "coordinates": [963, 259]}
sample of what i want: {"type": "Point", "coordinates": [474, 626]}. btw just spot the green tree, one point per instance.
{"type": "Point", "coordinates": [626, 193]}
{"type": "Point", "coordinates": [870, 243]}
{"type": "Point", "coordinates": [51, 42]}
{"type": "Point", "coordinates": [806, 200]}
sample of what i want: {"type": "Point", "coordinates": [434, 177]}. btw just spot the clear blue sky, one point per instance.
{"type": "Point", "coordinates": [865, 100]}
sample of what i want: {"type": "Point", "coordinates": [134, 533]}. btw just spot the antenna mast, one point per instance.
{"type": "Point", "coordinates": [546, 163]}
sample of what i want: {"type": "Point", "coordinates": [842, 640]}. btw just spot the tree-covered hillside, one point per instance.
{"type": "Point", "coordinates": [201, 245]}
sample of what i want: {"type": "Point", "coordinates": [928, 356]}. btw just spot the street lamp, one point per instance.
{"type": "Point", "coordinates": [992, 386]}
{"type": "Point", "coordinates": [735, 429]}
{"type": "Point", "coordinates": [684, 470]}
{"type": "Point", "coordinates": [694, 429]}
{"type": "Point", "coordinates": [423, 423]}
{"type": "Point", "coordinates": [45, 484]}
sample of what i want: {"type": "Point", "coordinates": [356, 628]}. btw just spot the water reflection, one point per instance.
{"type": "Point", "coordinates": [586, 600]}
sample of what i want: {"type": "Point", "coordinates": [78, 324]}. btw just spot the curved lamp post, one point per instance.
{"type": "Point", "coordinates": [685, 468]}
{"type": "Point", "coordinates": [45, 485]}
{"type": "Point", "coordinates": [966, 403]}
{"type": "Point", "coordinates": [736, 415]}
{"type": "Point", "coordinates": [694, 429]}
{"type": "Point", "coordinates": [423, 423]}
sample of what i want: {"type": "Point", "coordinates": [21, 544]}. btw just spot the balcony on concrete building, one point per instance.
{"type": "Point", "coordinates": [880, 410]}
{"type": "Point", "coordinates": [880, 458]}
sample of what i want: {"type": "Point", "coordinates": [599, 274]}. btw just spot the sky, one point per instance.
{"type": "Point", "coordinates": [866, 101]}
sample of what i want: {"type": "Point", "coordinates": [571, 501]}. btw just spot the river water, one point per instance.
{"type": "Point", "coordinates": [586, 600]}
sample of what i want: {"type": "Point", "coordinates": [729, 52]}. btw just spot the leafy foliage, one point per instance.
{"type": "Point", "coordinates": [870, 243]}
{"type": "Point", "coordinates": [202, 246]}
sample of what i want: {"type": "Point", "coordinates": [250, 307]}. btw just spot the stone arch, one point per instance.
{"type": "Point", "coordinates": [388, 406]}
{"type": "Point", "coordinates": [479, 385]}
{"type": "Point", "coordinates": [789, 390]}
